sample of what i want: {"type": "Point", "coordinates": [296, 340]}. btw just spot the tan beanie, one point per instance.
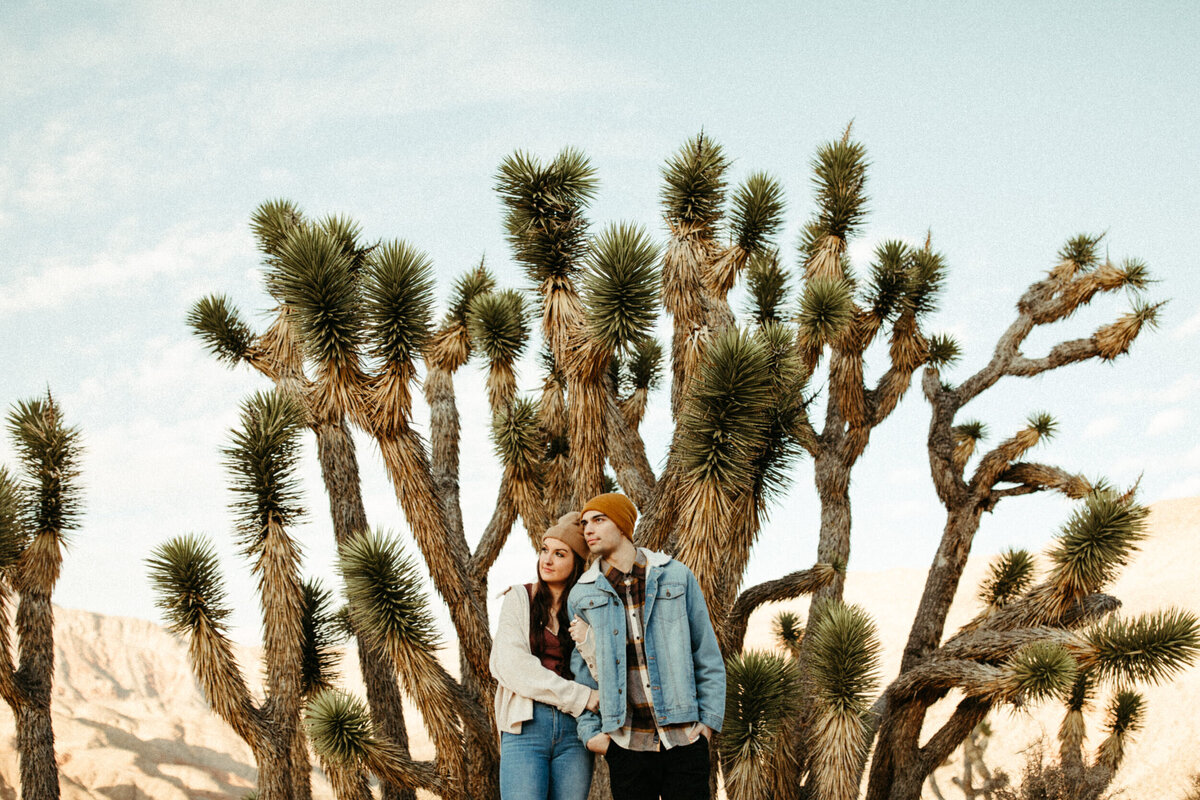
{"type": "Point", "coordinates": [569, 531]}
{"type": "Point", "coordinates": [617, 507]}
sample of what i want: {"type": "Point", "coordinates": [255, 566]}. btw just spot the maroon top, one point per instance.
{"type": "Point", "coordinates": [552, 657]}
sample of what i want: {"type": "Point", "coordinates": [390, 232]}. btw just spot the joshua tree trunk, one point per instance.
{"type": "Point", "coordinates": [339, 469]}
{"type": "Point", "coordinates": [35, 736]}
{"type": "Point", "coordinates": [832, 477]}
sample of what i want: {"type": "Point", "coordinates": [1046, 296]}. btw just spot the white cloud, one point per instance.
{"type": "Point", "coordinates": [1166, 421]}
{"type": "Point", "coordinates": [180, 252]}
{"type": "Point", "coordinates": [1100, 428]}
{"type": "Point", "coordinates": [1189, 327]}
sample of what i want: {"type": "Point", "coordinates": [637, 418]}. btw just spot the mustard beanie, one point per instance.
{"type": "Point", "coordinates": [569, 531]}
{"type": "Point", "coordinates": [618, 508]}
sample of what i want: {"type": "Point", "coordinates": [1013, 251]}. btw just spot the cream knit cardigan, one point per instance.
{"type": "Point", "coordinates": [520, 674]}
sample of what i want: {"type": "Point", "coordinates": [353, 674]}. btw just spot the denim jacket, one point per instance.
{"type": "Point", "coordinates": [687, 673]}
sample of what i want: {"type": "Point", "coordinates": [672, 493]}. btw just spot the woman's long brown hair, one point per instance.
{"type": "Point", "coordinates": [539, 615]}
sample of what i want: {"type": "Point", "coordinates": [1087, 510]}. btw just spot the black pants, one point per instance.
{"type": "Point", "coordinates": [680, 773]}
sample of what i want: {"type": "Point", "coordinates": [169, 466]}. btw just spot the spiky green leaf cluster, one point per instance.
{"type": "Point", "coordinates": [1083, 251]}
{"type": "Point", "coordinates": [943, 351]}
{"type": "Point", "coordinates": [643, 367]}
{"type": "Point", "coordinates": [725, 416]}
{"type": "Point", "coordinates": [762, 695]}
{"type": "Point", "coordinates": [1044, 424]}
{"type": "Point", "coordinates": [925, 276]}
{"type": "Point", "coordinates": [788, 629]}
{"type": "Point", "coordinates": [1137, 274]}
{"type": "Point", "coordinates": [788, 381]}
{"type": "Point", "coordinates": [516, 434]}
{"type": "Point", "coordinates": [1009, 575]}
{"type": "Point", "coordinates": [398, 292]}
{"type": "Point", "coordinates": [544, 210]}
{"type": "Point", "coordinates": [888, 280]}
{"type": "Point", "coordinates": [319, 655]}
{"type": "Point", "coordinates": [187, 584]}
{"type": "Point", "coordinates": [844, 653]}
{"type": "Point", "coordinates": [826, 308]}
{"type": "Point", "coordinates": [1080, 693]}
{"type": "Point", "coordinates": [767, 285]}
{"type": "Point", "coordinates": [499, 325]}
{"type": "Point", "coordinates": [1096, 542]}
{"type": "Point", "coordinates": [621, 285]}
{"type": "Point", "coordinates": [972, 429]}
{"type": "Point", "coordinates": [339, 727]}
{"type": "Point", "coordinates": [757, 212]}
{"type": "Point", "coordinates": [840, 176]}
{"type": "Point", "coordinates": [385, 592]}
{"type": "Point", "coordinates": [48, 451]}
{"type": "Point", "coordinates": [262, 458]}
{"type": "Point", "coordinates": [1125, 712]}
{"type": "Point", "coordinates": [272, 223]}
{"type": "Point", "coordinates": [216, 322]}
{"type": "Point", "coordinates": [1150, 648]}
{"type": "Point", "coordinates": [1146, 313]}
{"type": "Point", "coordinates": [314, 278]}
{"type": "Point", "coordinates": [467, 287]}
{"type": "Point", "coordinates": [694, 183]}
{"type": "Point", "coordinates": [1042, 669]}
{"type": "Point", "coordinates": [13, 533]}
{"type": "Point", "coordinates": [345, 232]}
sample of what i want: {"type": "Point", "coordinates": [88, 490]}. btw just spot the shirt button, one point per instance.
{"type": "Point", "coordinates": [615, 632]}
{"type": "Point", "coordinates": [618, 661]}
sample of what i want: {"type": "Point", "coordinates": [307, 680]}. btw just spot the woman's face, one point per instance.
{"type": "Point", "coordinates": [555, 561]}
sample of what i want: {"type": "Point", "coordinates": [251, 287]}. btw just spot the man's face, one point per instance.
{"type": "Point", "coordinates": [601, 533]}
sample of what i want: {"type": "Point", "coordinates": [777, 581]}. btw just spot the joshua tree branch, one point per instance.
{"type": "Point", "coordinates": [1060, 355]}
{"type": "Point", "coordinates": [390, 763]}
{"type": "Point", "coordinates": [627, 454]}
{"type": "Point", "coordinates": [797, 583]}
{"type": "Point", "coordinates": [504, 516]}
{"type": "Point", "coordinates": [970, 712]}
{"type": "Point", "coordinates": [993, 646]}
{"type": "Point", "coordinates": [996, 495]}
{"type": "Point", "coordinates": [883, 399]}
{"type": "Point", "coordinates": [1045, 476]}
{"type": "Point", "coordinates": [939, 675]}
{"type": "Point", "coordinates": [1035, 309]}
{"type": "Point", "coordinates": [214, 666]}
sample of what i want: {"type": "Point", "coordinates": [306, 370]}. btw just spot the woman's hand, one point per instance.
{"type": "Point", "coordinates": [579, 630]}
{"type": "Point", "coordinates": [599, 743]}
{"type": "Point", "coordinates": [593, 701]}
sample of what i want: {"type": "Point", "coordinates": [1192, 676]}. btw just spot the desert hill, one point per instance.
{"type": "Point", "coordinates": [131, 723]}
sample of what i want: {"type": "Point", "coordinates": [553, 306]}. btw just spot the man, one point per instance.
{"type": "Point", "coordinates": [654, 655]}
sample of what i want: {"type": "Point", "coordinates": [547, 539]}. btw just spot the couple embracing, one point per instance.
{"type": "Point", "coordinates": [619, 659]}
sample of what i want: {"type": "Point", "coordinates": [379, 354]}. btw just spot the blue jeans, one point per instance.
{"type": "Point", "coordinates": [545, 760]}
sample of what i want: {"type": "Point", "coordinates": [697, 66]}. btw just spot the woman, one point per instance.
{"type": "Point", "coordinates": [536, 700]}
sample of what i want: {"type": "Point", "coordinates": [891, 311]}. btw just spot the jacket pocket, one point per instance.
{"type": "Point", "coordinates": [670, 602]}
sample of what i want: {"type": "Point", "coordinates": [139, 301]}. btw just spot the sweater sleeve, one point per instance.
{"type": "Point", "coordinates": [520, 671]}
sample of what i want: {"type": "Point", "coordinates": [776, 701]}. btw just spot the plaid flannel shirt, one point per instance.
{"type": "Point", "coordinates": [641, 730]}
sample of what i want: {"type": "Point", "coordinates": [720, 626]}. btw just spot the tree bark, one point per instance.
{"type": "Point", "coordinates": [339, 470]}
{"type": "Point", "coordinates": [35, 677]}
{"type": "Point", "coordinates": [832, 477]}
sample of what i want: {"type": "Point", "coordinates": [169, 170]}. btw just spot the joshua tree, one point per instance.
{"type": "Point", "coordinates": [296, 620]}
{"type": "Point", "coordinates": [354, 325]}
{"type": "Point", "coordinates": [277, 355]}
{"type": "Point", "coordinates": [1050, 639]}
{"type": "Point", "coordinates": [39, 505]}
{"type": "Point", "coordinates": [1079, 277]}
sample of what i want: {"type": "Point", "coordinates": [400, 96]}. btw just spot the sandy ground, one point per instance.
{"type": "Point", "coordinates": [130, 722]}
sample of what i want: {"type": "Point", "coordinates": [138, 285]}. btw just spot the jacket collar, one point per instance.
{"type": "Point", "coordinates": [653, 559]}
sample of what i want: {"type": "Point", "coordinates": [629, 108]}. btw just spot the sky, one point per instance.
{"type": "Point", "coordinates": [137, 139]}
